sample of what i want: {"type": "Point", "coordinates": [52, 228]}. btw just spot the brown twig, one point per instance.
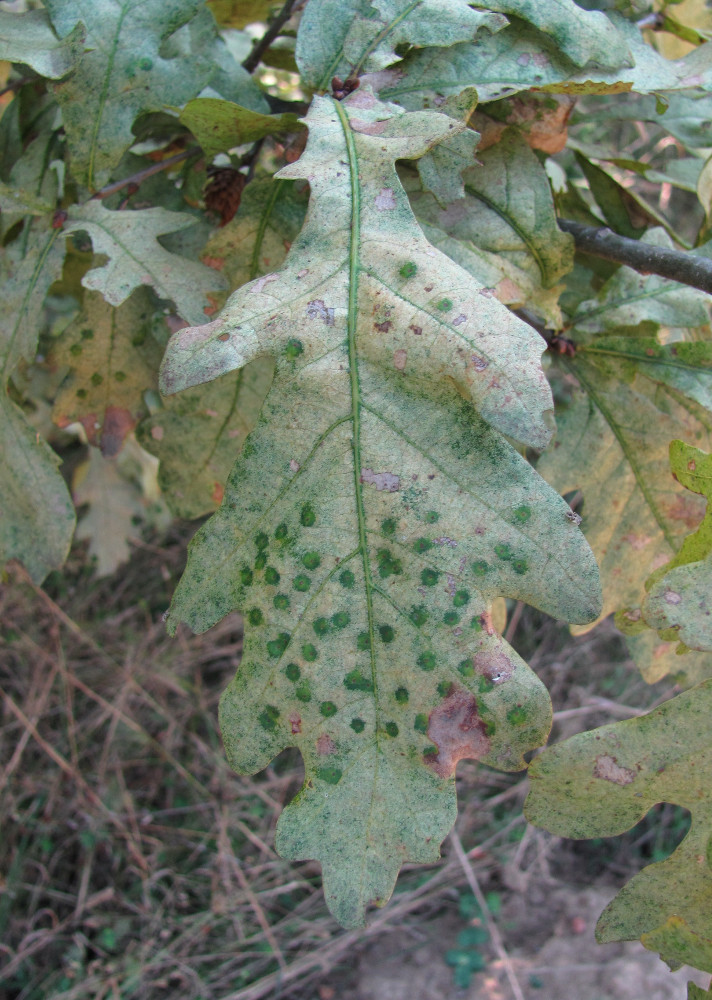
{"type": "Point", "coordinates": [262, 44]}
{"type": "Point", "coordinates": [137, 178]}
{"type": "Point", "coordinates": [16, 84]}
{"type": "Point", "coordinates": [496, 937]}
{"type": "Point", "coordinates": [678, 265]}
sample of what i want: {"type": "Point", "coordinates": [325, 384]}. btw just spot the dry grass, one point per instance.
{"type": "Point", "coordinates": [135, 863]}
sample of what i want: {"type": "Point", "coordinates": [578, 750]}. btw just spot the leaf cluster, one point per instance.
{"type": "Point", "coordinates": [340, 229]}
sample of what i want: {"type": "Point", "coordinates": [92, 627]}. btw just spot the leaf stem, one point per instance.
{"type": "Point", "coordinates": [141, 175]}
{"type": "Point", "coordinates": [262, 44]}
{"type": "Point", "coordinates": [678, 265]}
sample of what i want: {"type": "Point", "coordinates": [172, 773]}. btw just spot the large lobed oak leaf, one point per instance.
{"type": "Point", "coordinates": [374, 515]}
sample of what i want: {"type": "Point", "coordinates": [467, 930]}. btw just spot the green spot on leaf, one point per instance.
{"type": "Point", "coordinates": [321, 626]}
{"type": "Point", "coordinates": [418, 615]}
{"type": "Point", "coordinates": [387, 633]}
{"type": "Point", "coordinates": [268, 718]}
{"type": "Point", "coordinates": [427, 661]}
{"type": "Point", "coordinates": [429, 577]}
{"type": "Point", "coordinates": [341, 619]}
{"type": "Point", "coordinates": [451, 618]}
{"type": "Point", "coordinates": [431, 517]}
{"type": "Point", "coordinates": [466, 668]}
{"type": "Point", "coordinates": [392, 729]}
{"type": "Point", "coordinates": [421, 723]}
{"type": "Point", "coordinates": [388, 527]}
{"type": "Point", "coordinates": [292, 672]}
{"type": "Point", "coordinates": [503, 551]}
{"type": "Point", "coordinates": [260, 560]}
{"type": "Point", "coordinates": [294, 348]}
{"type": "Point", "coordinates": [363, 641]}
{"type": "Point", "coordinates": [311, 560]}
{"type": "Point", "coordinates": [303, 691]}
{"type": "Point", "coordinates": [408, 269]}
{"type": "Point", "coordinates": [261, 540]}
{"type": "Point", "coordinates": [271, 575]}
{"type": "Point", "coordinates": [355, 681]}
{"type": "Point", "coordinates": [280, 532]}
{"type": "Point", "coordinates": [255, 616]}
{"type": "Point", "coordinates": [309, 652]}
{"type": "Point", "coordinates": [523, 513]}
{"type": "Point", "coordinates": [281, 602]}
{"type": "Point", "coordinates": [444, 305]}
{"type": "Point", "coordinates": [327, 709]}
{"type": "Point", "coordinates": [520, 566]}
{"type": "Point", "coordinates": [401, 695]}
{"type": "Point", "coordinates": [461, 598]}
{"type": "Point", "coordinates": [480, 567]}
{"type": "Point", "coordinates": [422, 545]}
{"type": "Point", "coordinates": [308, 516]}
{"type": "Point", "coordinates": [331, 775]}
{"type": "Point", "coordinates": [275, 647]}
{"type": "Point", "coordinates": [358, 725]}
{"type": "Point", "coordinates": [347, 579]}
{"type": "Point", "coordinates": [301, 582]}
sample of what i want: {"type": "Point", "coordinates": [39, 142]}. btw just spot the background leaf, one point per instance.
{"type": "Point", "coordinates": [600, 783]}
{"type": "Point", "coordinates": [28, 38]}
{"type": "Point", "coordinates": [130, 241]}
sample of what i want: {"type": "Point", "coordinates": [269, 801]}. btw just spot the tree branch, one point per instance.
{"type": "Point", "coordinates": [678, 265]}
{"type": "Point", "coordinates": [262, 44]}
{"type": "Point", "coordinates": [135, 179]}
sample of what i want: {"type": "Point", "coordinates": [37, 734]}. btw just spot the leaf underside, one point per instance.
{"type": "Point", "coordinates": [375, 513]}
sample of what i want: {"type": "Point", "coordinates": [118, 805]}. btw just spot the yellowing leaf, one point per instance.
{"type": "Point", "coordinates": [113, 359]}
{"type": "Point", "coordinates": [681, 596]}
{"type": "Point", "coordinates": [130, 241]}
{"type": "Point", "coordinates": [600, 783]}
{"type": "Point", "coordinates": [374, 516]}
{"type": "Point", "coordinates": [219, 125]}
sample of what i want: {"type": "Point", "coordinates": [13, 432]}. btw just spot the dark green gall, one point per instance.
{"type": "Point", "coordinates": [388, 527]}
{"type": "Point", "coordinates": [430, 752]}
{"type": "Point", "coordinates": [341, 619]}
{"type": "Point", "coordinates": [292, 672]}
{"type": "Point", "coordinates": [484, 684]}
{"type": "Point", "coordinates": [451, 618]}
{"type": "Point", "coordinates": [461, 598]}
{"type": "Point", "coordinates": [281, 602]}
{"type": "Point", "coordinates": [97, 379]}
{"type": "Point", "coordinates": [401, 695]}
{"type": "Point", "coordinates": [408, 269]}
{"type": "Point", "coordinates": [520, 566]}
{"type": "Point", "coordinates": [426, 661]}
{"type": "Point", "coordinates": [260, 560]}
{"type": "Point", "coordinates": [255, 616]}
{"type": "Point", "coordinates": [517, 715]}
{"type": "Point", "coordinates": [444, 305]}
{"type": "Point", "coordinates": [422, 545]}
{"type": "Point", "coordinates": [418, 615]}
{"type": "Point", "coordinates": [363, 641]}
{"type": "Point", "coordinates": [275, 647]}
{"type": "Point", "coordinates": [388, 565]}
{"type": "Point", "coordinates": [358, 725]}
{"type": "Point", "coordinates": [120, 376]}
{"type": "Point", "coordinates": [355, 681]}
{"type": "Point", "coordinates": [466, 668]}
{"type": "Point", "coordinates": [480, 567]}
{"type": "Point", "coordinates": [421, 723]}
{"type": "Point", "coordinates": [327, 709]}
{"type": "Point", "coordinates": [429, 577]}
{"type": "Point", "coordinates": [503, 551]}
{"type": "Point", "coordinates": [271, 575]}
{"type": "Point", "coordinates": [76, 349]}
{"type": "Point", "coordinates": [294, 348]}
{"type": "Point", "coordinates": [476, 624]}
{"type": "Point", "coordinates": [392, 729]}
{"type": "Point", "coordinates": [303, 692]}
{"type": "Point", "coordinates": [308, 516]}
{"type": "Point", "coordinates": [280, 531]}
{"type": "Point", "coordinates": [321, 626]}
{"type": "Point", "coordinates": [387, 633]}
{"type": "Point", "coordinates": [309, 652]}
{"type": "Point", "coordinates": [444, 688]}
{"type": "Point", "coordinates": [268, 718]}
{"type": "Point", "coordinates": [87, 334]}
{"type": "Point", "coordinates": [523, 513]}
{"type": "Point", "coordinates": [81, 394]}
{"type": "Point", "coordinates": [301, 582]}
{"type": "Point", "coordinates": [261, 540]}
{"type": "Point", "coordinates": [145, 64]}
{"type": "Point", "coordinates": [311, 560]}
{"type": "Point", "coordinates": [431, 517]}
{"type": "Point", "coordinates": [331, 775]}
{"type": "Point", "coordinates": [347, 579]}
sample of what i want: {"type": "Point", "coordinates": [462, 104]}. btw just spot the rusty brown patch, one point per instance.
{"type": "Point", "coordinates": [496, 667]}
{"type": "Point", "coordinates": [457, 731]}
{"type": "Point", "coordinates": [218, 493]}
{"type": "Point", "coordinates": [296, 723]}
{"type": "Point", "coordinates": [118, 424]}
{"type": "Point", "coordinates": [325, 745]}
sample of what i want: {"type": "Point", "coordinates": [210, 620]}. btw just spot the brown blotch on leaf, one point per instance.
{"type": "Point", "coordinates": [325, 745]}
{"type": "Point", "coordinates": [457, 731]}
{"type": "Point", "coordinates": [496, 667]}
{"type": "Point", "coordinates": [607, 768]}
{"type": "Point", "coordinates": [118, 424]}
{"type": "Point", "coordinates": [224, 192]}
{"type": "Point", "coordinates": [296, 723]}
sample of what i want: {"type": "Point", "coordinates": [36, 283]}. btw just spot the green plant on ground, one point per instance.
{"type": "Point", "coordinates": [417, 201]}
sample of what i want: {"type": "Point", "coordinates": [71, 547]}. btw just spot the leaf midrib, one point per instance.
{"type": "Point", "coordinates": [103, 97]}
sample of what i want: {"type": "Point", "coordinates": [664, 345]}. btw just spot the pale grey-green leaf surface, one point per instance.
{"type": "Point", "coordinates": [130, 241]}
{"type": "Point", "coordinates": [123, 72]}
{"type": "Point", "coordinates": [601, 783]}
{"type": "Point", "coordinates": [340, 37]}
{"type": "Point", "coordinates": [374, 516]}
{"type": "Point", "coordinates": [519, 58]}
{"type": "Point", "coordinates": [37, 513]}
{"type": "Point", "coordinates": [28, 38]}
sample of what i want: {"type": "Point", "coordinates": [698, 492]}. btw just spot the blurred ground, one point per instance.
{"type": "Point", "coordinates": [134, 864]}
